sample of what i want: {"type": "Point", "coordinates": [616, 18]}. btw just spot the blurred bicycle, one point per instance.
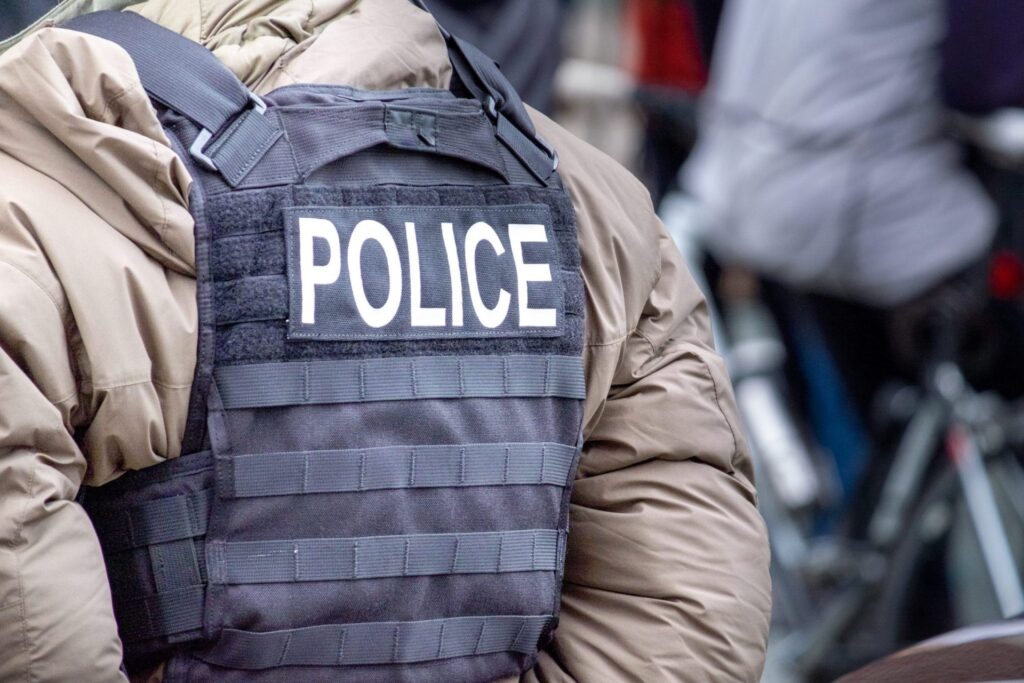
{"type": "Point", "coordinates": [934, 536]}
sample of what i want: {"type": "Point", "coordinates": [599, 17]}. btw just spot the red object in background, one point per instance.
{"type": "Point", "coordinates": [1006, 275]}
{"type": "Point", "coordinates": [667, 48]}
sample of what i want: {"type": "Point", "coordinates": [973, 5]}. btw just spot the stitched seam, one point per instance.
{"type": "Point", "coordinates": [283, 69]}
{"type": "Point", "coordinates": [73, 395]}
{"type": "Point", "coordinates": [202, 21]}
{"type": "Point", "coordinates": [60, 309]}
{"type": "Point", "coordinates": [19, 526]}
{"type": "Point", "coordinates": [26, 643]}
{"type": "Point", "coordinates": [718, 402]}
{"type": "Point", "coordinates": [22, 611]}
{"type": "Point", "coordinates": [654, 349]}
{"type": "Point", "coordinates": [135, 382]}
{"type": "Point", "coordinates": [162, 228]}
{"type": "Point", "coordinates": [168, 385]}
{"type": "Point", "coordinates": [613, 342]}
{"type": "Point", "coordinates": [261, 149]}
{"type": "Point", "coordinates": [298, 174]}
{"type": "Point", "coordinates": [124, 91]}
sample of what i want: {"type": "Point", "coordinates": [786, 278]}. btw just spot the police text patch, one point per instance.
{"type": "Point", "coordinates": [405, 272]}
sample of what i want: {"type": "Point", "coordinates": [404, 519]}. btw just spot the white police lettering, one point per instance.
{"type": "Point", "coordinates": [421, 317]}
{"type": "Point", "coordinates": [372, 230]}
{"type": "Point", "coordinates": [530, 272]}
{"type": "Point", "coordinates": [312, 274]}
{"type": "Point", "coordinates": [454, 272]}
{"type": "Point", "coordinates": [489, 317]}
{"type": "Point", "coordinates": [430, 262]}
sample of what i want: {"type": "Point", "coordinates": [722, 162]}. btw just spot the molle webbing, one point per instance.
{"type": "Point", "coordinates": [378, 643]}
{"type": "Point", "coordinates": [375, 557]}
{"type": "Point", "coordinates": [153, 538]}
{"type": "Point", "coordinates": [383, 495]}
{"type": "Point", "coordinates": [398, 379]}
{"type": "Point", "coordinates": [158, 526]}
{"type": "Point", "coordinates": [164, 614]}
{"type": "Point", "coordinates": [154, 522]}
{"type": "Point", "coordinates": [396, 467]}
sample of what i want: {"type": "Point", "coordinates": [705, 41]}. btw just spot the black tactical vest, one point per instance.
{"type": "Point", "coordinates": [386, 413]}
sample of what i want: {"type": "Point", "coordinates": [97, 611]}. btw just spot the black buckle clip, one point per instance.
{"type": "Point", "coordinates": [491, 107]}
{"type": "Point", "coordinates": [198, 148]}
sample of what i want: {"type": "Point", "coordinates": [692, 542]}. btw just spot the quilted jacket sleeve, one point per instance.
{"type": "Point", "coordinates": [667, 569]}
{"type": "Point", "coordinates": [56, 622]}
{"type": "Point", "coordinates": [97, 336]}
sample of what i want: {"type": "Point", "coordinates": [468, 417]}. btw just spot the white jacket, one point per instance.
{"type": "Point", "coordinates": [823, 160]}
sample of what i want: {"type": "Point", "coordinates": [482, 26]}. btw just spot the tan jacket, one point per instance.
{"type": "Point", "coordinates": [667, 573]}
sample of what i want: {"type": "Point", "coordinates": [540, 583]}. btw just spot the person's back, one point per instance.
{"type": "Point", "coordinates": [98, 346]}
{"type": "Point", "coordinates": [822, 159]}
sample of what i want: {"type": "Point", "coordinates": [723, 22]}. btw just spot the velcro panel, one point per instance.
{"type": "Point", "coordinates": [249, 264]}
{"type": "Point", "coordinates": [155, 521]}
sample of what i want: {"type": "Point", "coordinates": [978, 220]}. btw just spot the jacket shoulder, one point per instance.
{"type": "Point", "coordinates": [618, 233]}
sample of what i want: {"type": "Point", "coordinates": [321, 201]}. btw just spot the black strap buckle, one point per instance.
{"type": "Point", "coordinates": [547, 147]}
{"type": "Point", "coordinates": [491, 108]}
{"type": "Point", "coordinates": [198, 148]}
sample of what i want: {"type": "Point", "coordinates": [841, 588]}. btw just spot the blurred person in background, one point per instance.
{"type": "Point", "coordinates": [671, 45]}
{"type": "Point", "coordinates": [824, 158]}
{"type": "Point", "coordinates": [829, 166]}
{"type": "Point", "coordinates": [824, 163]}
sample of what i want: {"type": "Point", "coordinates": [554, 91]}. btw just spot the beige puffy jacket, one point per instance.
{"type": "Point", "coordinates": [667, 571]}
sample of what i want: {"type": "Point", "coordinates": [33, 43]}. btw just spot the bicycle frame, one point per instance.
{"type": "Point", "coordinates": [967, 457]}
{"type": "Point", "coordinates": [947, 416]}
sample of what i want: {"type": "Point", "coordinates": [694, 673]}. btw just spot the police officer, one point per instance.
{"type": "Point", "coordinates": [101, 326]}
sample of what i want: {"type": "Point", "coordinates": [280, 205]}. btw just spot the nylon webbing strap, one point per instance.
{"type": "Point", "coordinates": [483, 79]}
{"type": "Point", "coordinates": [161, 614]}
{"type": "Point", "coordinates": [377, 642]}
{"type": "Point", "coordinates": [239, 148]}
{"type": "Point", "coordinates": [186, 77]}
{"type": "Point", "coordinates": [377, 557]}
{"type": "Point", "coordinates": [394, 379]}
{"type": "Point", "coordinates": [320, 136]}
{"type": "Point", "coordinates": [395, 467]}
{"type": "Point", "coordinates": [526, 149]}
{"type": "Point", "coordinates": [156, 521]}
{"type": "Point", "coordinates": [181, 74]}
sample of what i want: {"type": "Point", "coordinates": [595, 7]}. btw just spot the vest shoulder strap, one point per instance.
{"type": "Point", "coordinates": [185, 77]}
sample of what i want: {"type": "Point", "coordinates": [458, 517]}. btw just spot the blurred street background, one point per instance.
{"type": "Point", "coordinates": [846, 181]}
